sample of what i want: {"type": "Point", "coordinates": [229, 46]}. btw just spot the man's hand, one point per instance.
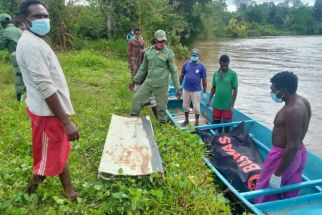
{"type": "Point", "coordinates": [208, 103]}
{"type": "Point", "coordinates": [178, 93]}
{"type": "Point", "coordinates": [204, 95]}
{"type": "Point", "coordinates": [132, 85]}
{"type": "Point", "coordinates": [275, 181]}
{"type": "Point", "coordinates": [136, 87]}
{"type": "Point", "coordinates": [232, 109]}
{"type": "Point", "coordinates": [69, 127]}
{"type": "Point", "coordinates": [71, 131]}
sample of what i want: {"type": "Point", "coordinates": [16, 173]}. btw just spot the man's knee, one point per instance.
{"type": "Point", "coordinates": [186, 108]}
{"type": "Point", "coordinates": [136, 108]}
{"type": "Point", "coordinates": [137, 103]}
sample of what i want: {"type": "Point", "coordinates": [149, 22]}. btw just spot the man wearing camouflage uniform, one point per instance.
{"type": "Point", "coordinates": [158, 63]}
{"type": "Point", "coordinates": [9, 37]}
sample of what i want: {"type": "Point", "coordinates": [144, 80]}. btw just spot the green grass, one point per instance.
{"type": "Point", "coordinates": [99, 88]}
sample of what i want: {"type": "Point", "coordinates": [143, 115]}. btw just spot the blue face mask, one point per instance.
{"type": "Point", "coordinates": [40, 27]}
{"type": "Point", "coordinates": [274, 97]}
{"type": "Point", "coordinates": [194, 58]}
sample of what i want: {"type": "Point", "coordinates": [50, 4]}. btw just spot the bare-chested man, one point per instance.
{"type": "Point", "coordinates": [135, 46]}
{"type": "Point", "coordinates": [286, 160]}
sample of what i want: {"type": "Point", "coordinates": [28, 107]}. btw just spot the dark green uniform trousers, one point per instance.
{"type": "Point", "coordinates": [19, 85]}
{"type": "Point", "coordinates": [161, 98]}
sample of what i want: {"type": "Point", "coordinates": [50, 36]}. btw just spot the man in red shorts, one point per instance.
{"type": "Point", "coordinates": [225, 88]}
{"type": "Point", "coordinates": [48, 101]}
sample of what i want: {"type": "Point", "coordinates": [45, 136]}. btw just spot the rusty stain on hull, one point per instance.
{"type": "Point", "coordinates": [130, 146]}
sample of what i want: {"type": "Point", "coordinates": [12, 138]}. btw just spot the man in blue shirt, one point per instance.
{"type": "Point", "coordinates": [193, 71]}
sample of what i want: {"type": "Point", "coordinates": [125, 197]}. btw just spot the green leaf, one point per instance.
{"type": "Point", "coordinates": [58, 200]}
{"type": "Point", "coordinates": [120, 171]}
{"type": "Point", "coordinates": [98, 187]}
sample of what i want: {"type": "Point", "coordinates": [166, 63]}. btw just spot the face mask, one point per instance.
{"type": "Point", "coordinates": [40, 26]}
{"type": "Point", "coordinates": [274, 97]}
{"type": "Point", "coordinates": [194, 58]}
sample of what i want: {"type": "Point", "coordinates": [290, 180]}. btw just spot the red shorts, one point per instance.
{"type": "Point", "coordinates": [50, 145]}
{"type": "Point", "coordinates": [222, 115]}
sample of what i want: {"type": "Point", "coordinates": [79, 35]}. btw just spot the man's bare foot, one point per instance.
{"type": "Point", "coordinates": [72, 196]}
{"type": "Point", "coordinates": [30, 188]}
{"type": "Point", "coordinates": [33, 184]}
{"type": "Point", "coordinates": [196, 123]}
{"type": "Point", "coordinates": [67, 184]}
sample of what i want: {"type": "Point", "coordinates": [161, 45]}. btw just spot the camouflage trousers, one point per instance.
{"type": "Point", "coordinates": [134, 67]}
{"type": "Point", "coordinates": [19, 84]}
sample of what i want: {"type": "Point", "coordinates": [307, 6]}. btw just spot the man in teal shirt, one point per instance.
{"type": "Point", "coordinates": [8, 40]}
{"type": "Point", "coordinates": [158, 63]}
{"type": "Point", "coordinates": [225, 88]}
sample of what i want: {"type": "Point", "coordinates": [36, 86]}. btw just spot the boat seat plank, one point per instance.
{"type": "Point", "coordinates": [270, 191]}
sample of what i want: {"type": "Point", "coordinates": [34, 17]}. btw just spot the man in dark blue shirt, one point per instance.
{"type": "Point", "coordinates": [193, 71]}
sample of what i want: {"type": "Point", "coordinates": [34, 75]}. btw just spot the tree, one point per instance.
{"type": "Point", "coordinates": [184, 9]}
{"type": "Point", "coordinates": [303, 21]}
{"type": "Point", "coordinates": [9, 7]}
{"type": "Point", "coordinates": [256, 13]}
{"type": "Point", "coordinates": [213, 19]}
{"type": "Point", "coordinates": [271, 7]}
{"type": "Point", "coordinates": [85, 21]}
{"type": "Point", "coordinates": [151, 16]}
{"type": "Point", "coordinates": [317, 10]}
{"type": "Point", "coordinates": [242, 4]}
{"type": "Point", "coordinates": [235, 28]}
{"type": "Point", "coordinates": [120, 15]}
{"type": "Point", "coordinates": [293, 3]}
{"type": "Point", "coordinates": [57, 11]}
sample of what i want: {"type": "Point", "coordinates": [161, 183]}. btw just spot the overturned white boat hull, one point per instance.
{"type": "Point", "coordinates": [130, 148]}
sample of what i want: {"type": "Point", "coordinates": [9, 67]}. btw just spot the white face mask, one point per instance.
{"type": "Point", "coordinates": [274, 97]}
{"type": "Point", "coordinates": [40, 27]}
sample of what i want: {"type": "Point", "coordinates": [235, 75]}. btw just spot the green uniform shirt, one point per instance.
{"type": "Point", "coordinates": [224, 87]}
{"type": "Point", "coordinates": [156, 67]}
{"type": "Point", "coordinates": [9, 38]}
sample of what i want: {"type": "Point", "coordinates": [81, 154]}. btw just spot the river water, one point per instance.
{"type": "Point", "coordinates": [256, 60]}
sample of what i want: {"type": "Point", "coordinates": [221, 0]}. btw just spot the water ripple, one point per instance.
{"type": "Point", "coordinates": [256, 60]}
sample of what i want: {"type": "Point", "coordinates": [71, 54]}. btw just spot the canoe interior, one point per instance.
{"type": "Point", "coordinates": [309, 199]}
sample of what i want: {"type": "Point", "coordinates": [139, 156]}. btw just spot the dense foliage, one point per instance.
{"type": "Point", "coordinates": [288, 17]}
{"type": "Point", "coordinates": [184, 20]}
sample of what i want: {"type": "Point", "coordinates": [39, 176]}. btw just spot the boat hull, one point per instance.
{"type": "Point", "coordinates": [310, 197]}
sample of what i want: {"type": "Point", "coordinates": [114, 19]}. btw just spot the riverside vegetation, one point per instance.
{"type": "Point", "coordinates": [98, 84]}
{"type": "Point", "coordinates": [184, 21]}
{"type": "Point", "coordinates": [91, 40]}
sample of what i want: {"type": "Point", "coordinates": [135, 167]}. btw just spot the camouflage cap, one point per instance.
{"type": "Point", "coordinates": [160, 35]}
{"type": "Point", "coordinates": [195, 52]}
{"type": "Point", "coordinates": [5, 17]}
